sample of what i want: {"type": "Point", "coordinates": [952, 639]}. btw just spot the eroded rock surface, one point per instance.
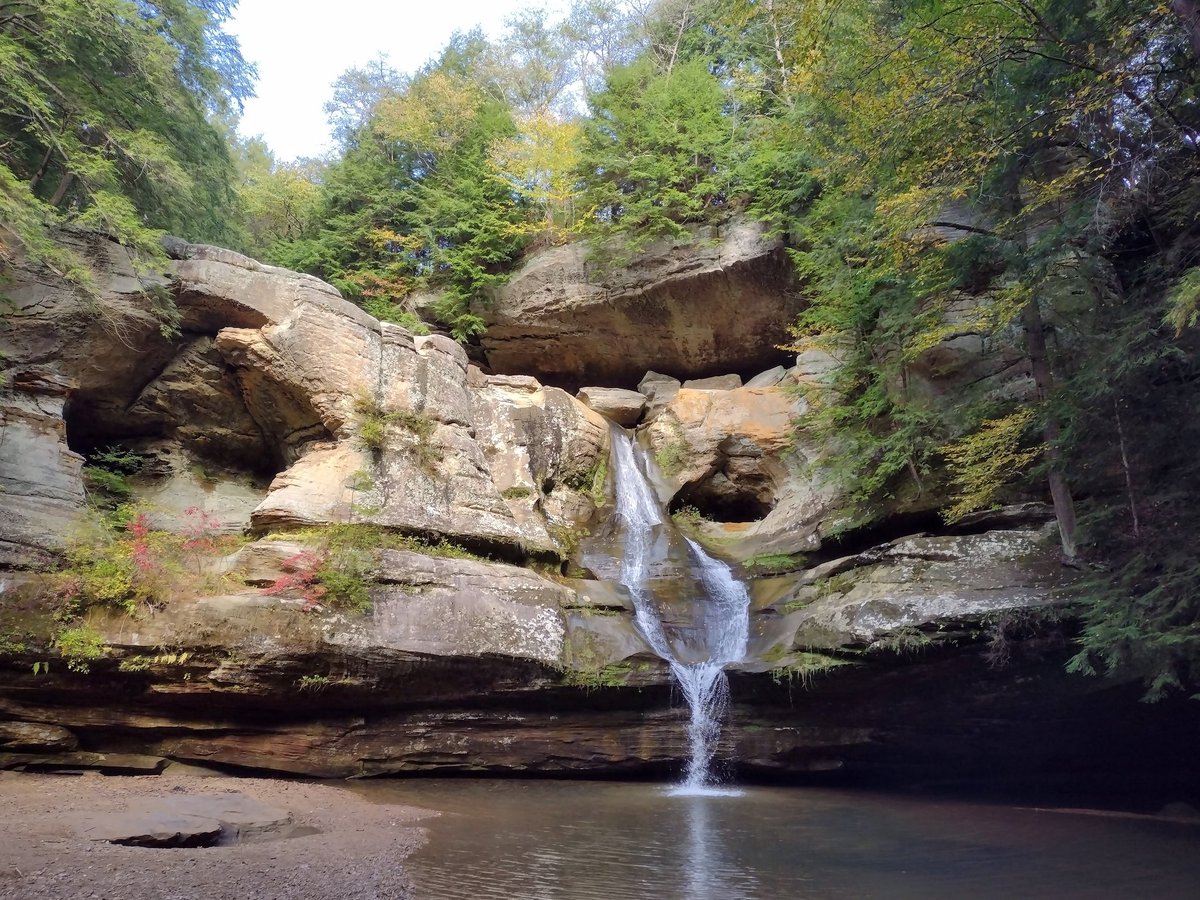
{"type": "Point", "coordinates": [716, 303]}
{"type": "Point", "coordinates": [274, 374]}
{"type": "Point", "coordinates": [738, 458]}
{"type": "Point", "coordinates": [910, 588]}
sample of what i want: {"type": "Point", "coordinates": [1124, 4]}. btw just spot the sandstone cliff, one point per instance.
{"type": "Point", "coordinates": [288, 416]}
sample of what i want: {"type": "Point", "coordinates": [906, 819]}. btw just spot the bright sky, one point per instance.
{"type": "Point", "coordinates": [301, 46]}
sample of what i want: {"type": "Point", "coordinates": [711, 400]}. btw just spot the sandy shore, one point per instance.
{"type": "Point", "coordinates": [357, 850]}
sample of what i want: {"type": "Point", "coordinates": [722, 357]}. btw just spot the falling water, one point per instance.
{"type": "Point", "coordinates": [647, 535]}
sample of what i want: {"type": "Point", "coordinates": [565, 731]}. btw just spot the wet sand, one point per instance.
{"type": "Point", "coordinates": [357, 850]}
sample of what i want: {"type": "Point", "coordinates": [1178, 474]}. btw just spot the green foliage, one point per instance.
{"type": "Point", "coordinates": [388, 311]}
{"type": "Point", "coordinates": [10, 644]}
{"type": "Point", "coordinates": [80, 647]}
{"type": "Point", "coordinates": [413, 202]}
{"type": "Point", "coordinates": [984, 462]}
{"type": "Point", "coordinates": [313, 683]}
{"type": "Point", "coordinates": [688, 519]}
{"type": "Point", "coordinates": [107, 488]}
{"type": "Point", "coordinates": [106, 476]}
{"type": "Point", "coordinates": [123, 564]}
{"type": "Point", "coordinates": [142, 663]}
{"type": "Point", "coordinates": [517, 492]}
{"type": "Point", "coordinates": [105, 121]}
{"type": "Point", "coordinates": [657, 150]}
{"type": "Point", "coordinates": [345, 585]}
{"type": "Point", "coordinates": [360, 537]}
{"type": "Point", "coordinates": [1184, 303]}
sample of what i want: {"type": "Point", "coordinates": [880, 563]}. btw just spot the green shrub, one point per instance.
{"type": "Point", "coordinates": [106, 487]}
{"type": "Point", "coordinates": [345, 586]}
{"type": "Point", "coordinates": [79, 646]}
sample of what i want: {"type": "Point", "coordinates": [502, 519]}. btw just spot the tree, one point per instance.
{"type": "Point", "coordinates": [539, 165]}
{"type": "Point", "coordinates": [357, 93]}
{"type": "Point", "coordinates": [1022, 153]}
{"type": "Point", "coordinates": [657, 150]}
{"type": "Point", "coordinates": [278, 201]}
{"type": "Point", "coordinates": [104, 108]}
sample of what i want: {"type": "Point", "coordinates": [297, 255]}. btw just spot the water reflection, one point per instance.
{"type": "Point", "coordinates": [605, 841]}
{"type": "Point", "coordinates": [708, 872]}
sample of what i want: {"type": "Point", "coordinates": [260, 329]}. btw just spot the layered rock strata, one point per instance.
{"type": "Point", "coordinates": [715, 302]}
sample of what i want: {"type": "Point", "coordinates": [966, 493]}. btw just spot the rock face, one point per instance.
{"type": "Point", "coordinates": [466, 666]}
{"type": "Point", "coordinates": [281, 405]}
{"type": "Point", "coordinates": [274, 375]}
{"type": "Point", "coordinates": [718, 303]}
{"type": "Point", "coordinates": [917, 588]}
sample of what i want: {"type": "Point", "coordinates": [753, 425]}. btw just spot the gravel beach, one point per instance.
{"type": "Point", "coordinates": [346, 846]}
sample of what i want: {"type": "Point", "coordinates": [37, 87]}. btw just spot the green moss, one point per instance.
{"type": "Point", "coordinates": [591, 481]}
{"type": "Point", "coordinates": [516, 492]}
{"type": "Point", "coordinates": [566, 537]}
{"type": "Point", "coordinates": [804, 667]}
{"type": "Point", "coordinates": [374, 422]}
{"type": "Point", "coordinates": [671, 457]}
{"type": "Point", "coordinates": [772, 563]}
{"type": "Point", "coordinates": [614, 675]}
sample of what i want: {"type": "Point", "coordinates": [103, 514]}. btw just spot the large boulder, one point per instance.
{"type": "Point", "coordinates": [738, 459]}
{"type": "Point", "coordinates": [621, 406]}
{"type": "Point", "coordinates": [716, 302]}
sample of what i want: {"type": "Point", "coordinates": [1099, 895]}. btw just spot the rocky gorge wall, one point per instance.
{"type": "Point", "coordinates": [472, 496]}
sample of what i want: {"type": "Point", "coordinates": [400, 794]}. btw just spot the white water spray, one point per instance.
{"type": "Point", "coordinates": [726, 615]}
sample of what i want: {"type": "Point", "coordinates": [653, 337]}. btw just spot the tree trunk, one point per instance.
{"type": "Point", "coordinates": [61, 191]}
{"type": "Point", "coordinates": [41, 169]}
{"type": "Point", "coordinates": [778, 41]}
{"type": "Point", "coordinates": [1060, 491]}
{"type": "Point", "coordinates": [1125, 467]}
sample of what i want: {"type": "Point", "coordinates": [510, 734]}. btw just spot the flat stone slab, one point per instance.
{"type": "Point", "coordinates": [124, 763]}
{"type": "Point", "coordinates": [623, 407]}
{"type": "Point", "coordinates": [714, 383]}
{"type": "Point", "coordinates": [189, 820]}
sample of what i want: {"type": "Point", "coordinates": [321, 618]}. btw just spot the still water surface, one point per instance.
{"type": "Point", "coordinates": [534, 840]}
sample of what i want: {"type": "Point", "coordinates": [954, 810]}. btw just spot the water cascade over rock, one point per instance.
{"type": "Point", "coordinates": [713, 632]}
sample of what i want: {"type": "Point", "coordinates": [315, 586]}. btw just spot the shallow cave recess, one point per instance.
{"type": "Point", "coordinates": [193, 432]}
{"type": "Point", "coordinates": [722, 498]}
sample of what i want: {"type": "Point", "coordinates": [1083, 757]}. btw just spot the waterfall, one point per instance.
{"type": "Point", "coordinates": [723, 607]}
